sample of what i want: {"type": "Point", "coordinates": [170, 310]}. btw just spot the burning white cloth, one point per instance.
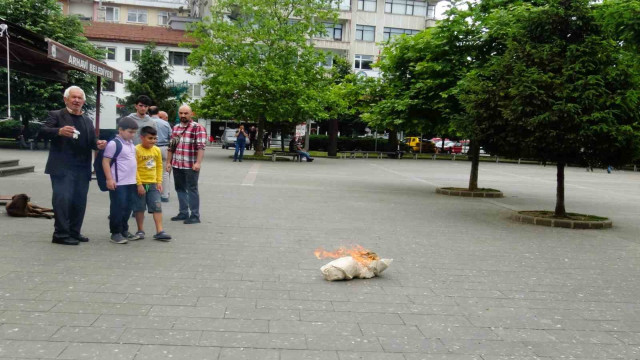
{"type": "Point", "coordinates": [347, 268]}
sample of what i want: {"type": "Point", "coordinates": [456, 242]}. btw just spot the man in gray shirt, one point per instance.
{"type": "Point", "coordinates": [140, 116]}
{"type": "Point", "coordinates": [161, 120]}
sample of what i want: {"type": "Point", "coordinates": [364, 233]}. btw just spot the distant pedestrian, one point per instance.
{"type": "Point", "coordinates": [253, 135]}
{"type": "Point", "coordinates": [241, 143]}
{"type": "Point", "coordinates": [121, 179]}
{"type": "Point", "coordinates": [69, 165]}
{"type": "Point", "coordinates": [186, 159]}
{"type": "Point", "coordinates": [294, 146]}
{"type": "Point", "coordinates": [164, 130]}
{"type": "Point", "coordinates": [265, 140]}
{"type": "Point", "coordinates": [143, 102]}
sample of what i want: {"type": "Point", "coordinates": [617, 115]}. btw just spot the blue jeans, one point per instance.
{"type": "Point", "coordinates": [240, 145]}
{"type": "Point", "coordinates": [304, 154]}
{"type": "Point", "coordinates": [186, 182]}
{"type": "Point", "coordinates": [69, 202]}
{"type": "Point", "coordinates": [122, 200]}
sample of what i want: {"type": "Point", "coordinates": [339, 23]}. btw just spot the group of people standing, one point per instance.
{"type": "Point", "coordinates": [137, 166]}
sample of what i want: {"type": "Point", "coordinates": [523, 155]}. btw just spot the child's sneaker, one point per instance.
{"type": "Point", "coordinates": [118, 239]}
{"type": "Point", "coordinates": [162, 236]}
{"type": "Point", "coordinates": [138, 236]}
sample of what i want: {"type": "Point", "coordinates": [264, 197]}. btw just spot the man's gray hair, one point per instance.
{"type": "Point", "coordinates": [68, 90]}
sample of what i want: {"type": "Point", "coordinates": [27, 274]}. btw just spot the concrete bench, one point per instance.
{"type": "Point", "coordinates": [365, 154]}
{"type": "Point", "coordinates": [294, 156]}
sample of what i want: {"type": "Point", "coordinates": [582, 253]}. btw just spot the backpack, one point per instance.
{"type": "Point", "coordinates": [97, 166]}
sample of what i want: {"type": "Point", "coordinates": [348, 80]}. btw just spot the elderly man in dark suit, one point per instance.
{"type": "Point", "coordinates": [72, 138]}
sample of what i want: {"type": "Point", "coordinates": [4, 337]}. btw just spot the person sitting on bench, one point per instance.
{"type": "Point", "coordinates": [295, 147]}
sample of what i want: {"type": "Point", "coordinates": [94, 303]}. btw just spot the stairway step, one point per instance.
{"type": "Point", "coordinates": [8, 163]}
{"type": "Point", "coordinates": [15, 170]}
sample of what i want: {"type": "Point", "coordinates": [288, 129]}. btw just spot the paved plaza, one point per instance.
{"type": "Point", "coordinates": [467, 283]}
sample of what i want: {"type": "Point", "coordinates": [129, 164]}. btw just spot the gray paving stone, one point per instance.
{"type": "Point", "coordinates": [235, 325]}
{"type": "Point", "coordinates": [26, 305]}
{"type": "Point", "coordinates": [161, 300]}
{"type": "Point", "coordinates": [135, 321]}
{"type": "Point", "coordinates": [629, 338]}
{"type": "Point", "coordinates": [82, 296]}
{"type": "Point", "coordinates": [304, 327]}
{"type": "Point", "coordinates": [527, 335]}
{"type": "Point", "coordinates": [338, 342]}
{"type": "Point", "coordinates": [26, 332]}
{"type": "Point", "coordinates": [248, 354]}
{"type": "Point", "coordinates": [490, 347]}
{"type": "Point", "coordinates": [187, 311]}
{"type": "Point", "coordinates": [227, 302]}
{"type": "Point", "coordinates": [368, 307]}
{"type": "Point", "coordinates": [258, 294]}
{"type": "Point", "coordinates": [19, 294]}
{"type": "Point", "coordinates": [435, 331]}
{"type": "Point", "coordinates": [133, 289]}
{"type": "Point", "coordinates": [15, 317]}
{"type": "Point", "coordinates": [388, 330]}
{"type": "Point", "coordinates": [451, 357]}
{"type": "Point", "coordinates": [164, 352]}
{"type": "Point", "coordinates": [87, 334]}
{"type": "Point", "coordinates": [100, 308]}
{"type": "Point", "coordinates": [262, 314]}
{"type": "Point", "coordinates": [349, 355]}
{"type": "Point", "coordinates": [348, 317]}
{"type": "Point", "coordinates": [92, 351]}
{"type": "Point", "coordinates": [160, 337]}
{"type": "Point", "coordinates": [437, 320]}
{"type": "Point", "coordinates": [294, 304]}
{"type": "Point", "coordinates": [308, 355]}
{"type": "Point", "coordinates": [31, 349]}
{"type": "Point", "coordinates": [591, 337]}
{"type": "Point", "coordinates": [253, 340]}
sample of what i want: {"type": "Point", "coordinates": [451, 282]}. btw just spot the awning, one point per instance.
{"type": "Point", "coordinates": [34, 54]}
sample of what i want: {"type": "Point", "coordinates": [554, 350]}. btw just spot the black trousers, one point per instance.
{"type": "Point", "coordinates": [69, 202]}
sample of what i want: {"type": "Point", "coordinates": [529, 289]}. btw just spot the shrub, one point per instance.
{"type": "Point", "coordinates": [321, 143]}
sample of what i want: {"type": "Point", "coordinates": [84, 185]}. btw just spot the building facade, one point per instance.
{"type": "Point", "coordinates": [123, 28]}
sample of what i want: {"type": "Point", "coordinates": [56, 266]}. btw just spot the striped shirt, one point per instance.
{"type": "Point", "coordinates": [193, 139]}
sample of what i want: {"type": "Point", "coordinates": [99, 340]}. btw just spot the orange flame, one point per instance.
{"type": "Point", "coordinates": [357, 252]}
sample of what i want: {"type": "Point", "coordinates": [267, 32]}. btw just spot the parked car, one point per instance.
{"type": "Point", "coordinates": [447, 148]}
{"type": "Point", "coordinates": [413, 142]}
{"type": "Point", "coordinates": [228, 139]}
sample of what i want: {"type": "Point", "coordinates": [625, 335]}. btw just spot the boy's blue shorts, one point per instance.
{"type": "Point", "coordinates": [151, 200]}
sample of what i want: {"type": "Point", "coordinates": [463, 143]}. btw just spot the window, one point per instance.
{"type": "Point", "coordinates": [365, 33]}
{"type": "Point", "coordinates": [178, 58]}
{"type": "Point", "coordinates": [111, 14]}
{"type": "Point", "coordinates": [367, 5]}
{"type": "Point", "coordinates": [363, 62]}
{"type": "Point", "coordinates": [137, 16]}
{"type": "Point", "coordinates": [111, 52]}
{"type": "Point", "coordinates": [391, 32]}
{"type": "Point", "coordinates": [406, 7]}
{"type": "Point", "coordinates": [341, 4]}
{"type": "Point", "coordinates": [195, 90]}
{"type": "Point", "coordinates": [132, 54]}
{"type": "Point", "coordinates": [332, 31]}
{"type": "Point", "coordinates": [163, 17]}
{"type": "Point", "coordinates": [431, 11]}
{"type": "Point", "coordinates": [108, 85]}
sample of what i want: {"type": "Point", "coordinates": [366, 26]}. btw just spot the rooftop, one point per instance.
{"type": "Point", "coordinates": [135, 33]}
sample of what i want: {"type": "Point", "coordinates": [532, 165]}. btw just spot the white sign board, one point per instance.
{"type": "Point", "coordinates": [301, 129]}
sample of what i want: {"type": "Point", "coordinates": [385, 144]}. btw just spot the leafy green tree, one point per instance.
{"type": "Point", "coordinates": [151, 78]}
{"type": "Point", "coordinates": [258, 61]}
{"type": "Point", "coordinates": [45, 18]}
{"type": "Point", "coordinates": [562, 92]}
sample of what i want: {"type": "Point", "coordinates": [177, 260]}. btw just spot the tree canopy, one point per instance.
{"type": "Point", "coordinates": [258, 61]}
{"type": "Point", "coordinates": [45, 18]}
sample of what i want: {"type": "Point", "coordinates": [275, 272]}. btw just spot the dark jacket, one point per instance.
{"type": "Point", "coordinates": [67, 153]}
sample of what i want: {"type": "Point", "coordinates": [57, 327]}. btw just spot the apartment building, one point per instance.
{"type": "Point", "coordinates": [123, 28]}
{"type": "Point", "coordinates": [363, 25]}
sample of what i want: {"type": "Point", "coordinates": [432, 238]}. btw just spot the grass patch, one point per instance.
{"type": "Point", "coordinates": [570, 216]}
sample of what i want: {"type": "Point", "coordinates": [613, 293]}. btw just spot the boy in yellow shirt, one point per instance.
{"type": "Point", "coordinates": [149, 182]}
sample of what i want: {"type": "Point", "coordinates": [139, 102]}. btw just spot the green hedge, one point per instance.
{"type": "Point", "coordinates": [321, 143]}
{"type": "Point", "coordinates": [10, 129]}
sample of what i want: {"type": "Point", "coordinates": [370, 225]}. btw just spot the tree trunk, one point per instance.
{"type": "Point", "coordinates": [258, 145]}
{"type": "Point", "coordinates": [333, 138]}
{"type": "Point", "coordinates": [282, 137]}
{"type": "Point", "coordinates": [474, 154]}
{"type": "Point", "coordinates": [560, 210]}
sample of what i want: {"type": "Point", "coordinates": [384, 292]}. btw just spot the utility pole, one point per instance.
{"type": "Point", "coordinates": [4, 32]}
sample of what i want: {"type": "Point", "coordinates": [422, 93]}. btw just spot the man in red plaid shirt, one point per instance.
{"type": "Point", "coordinates": [185, 161]}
